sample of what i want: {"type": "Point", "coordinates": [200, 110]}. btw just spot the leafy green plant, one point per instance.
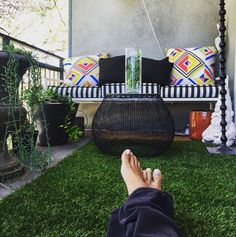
{"type": "Point", "coordinates": [22, 128]}
{"type": "Point", "coordinates": [35, 95]}
{"type": "Point", "coordinates": [133, 71]}
{"type": "Point", "coordinates": [50, 95]}
{"type": "Point", "coordinates": [12, 49]}
{"type": "Point", "coordinates": [42, 97]}
{"type": "Point", "coordinates": [74, 132]}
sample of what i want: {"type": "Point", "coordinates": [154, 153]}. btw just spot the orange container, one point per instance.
{"type": "Point", "coordinates": [198, 122]}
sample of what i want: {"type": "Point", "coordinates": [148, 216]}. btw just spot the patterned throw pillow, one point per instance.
{"type": "Point", "coordinates": [82, 71]}
{"type": "Point", "coordinates": [192, 66]}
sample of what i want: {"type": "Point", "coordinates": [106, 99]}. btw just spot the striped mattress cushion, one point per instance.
{"type": "Point", "coordinates": [119, 88]}
{"type": "Point", "coordinates": [210, 91]}
{"type": "Point", "coordinates": [78, 92]}
{"type": "Point", "coordinates": [188, 91]}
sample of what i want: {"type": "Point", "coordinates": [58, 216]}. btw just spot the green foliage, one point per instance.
{"type": "Point", "coordinates": [35, 95]}
{"type": "Point", "coordinates": [11, 81]}
{"type": "Point", "coordinates": [50, 95]}
{"type": "Point", "coordinates": [74, 132]}
{"type": "Point", "coordinates": [133, 72]}
{"type": "Point", "coordinates": [12, 49]}
{"type": "Point", "coordinates": [76, 197]}
{"type": "Point", "coordinates": [23, 18]}
{"type": "Point", "coordinates": [12, 7]}
{"type": "Point", "coordinates": [21, 125]}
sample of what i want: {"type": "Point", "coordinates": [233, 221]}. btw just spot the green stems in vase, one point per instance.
{"type": "Point", "coordinates": [133, 70]}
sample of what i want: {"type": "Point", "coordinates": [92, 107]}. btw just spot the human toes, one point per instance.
{"type": "Point", "coordinates": [157, 178]}
{"type": "Point", "coordinates": [145, 176]}
{"type": "Point", "coordinates": [133, 161]}
{"type": "Point", "coordinates": [125, 157]}
{"type": "Point", "coordinates": [149, 176]}
{"type": "Point", "coordinates": [140, 169]}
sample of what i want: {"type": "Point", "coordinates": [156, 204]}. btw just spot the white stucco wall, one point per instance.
{"type": "Point", "coordinates": [112, 25]}
{"type": "Point", "coordinates": [231, 37]}
{"type": "Point", "coordinates": [231, 46]}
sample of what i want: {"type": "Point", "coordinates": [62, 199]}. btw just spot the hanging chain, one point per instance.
{"type": "Point", "coordinates": [223, 91]}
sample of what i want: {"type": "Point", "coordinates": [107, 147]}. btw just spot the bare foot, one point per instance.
{"type": "Point", "coordinates": [131, 171]}
{"type": "Point", "coordinates": [152, 180]}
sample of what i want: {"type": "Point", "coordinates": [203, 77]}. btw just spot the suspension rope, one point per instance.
{"type": "Point", "coordinates": [153, 31]}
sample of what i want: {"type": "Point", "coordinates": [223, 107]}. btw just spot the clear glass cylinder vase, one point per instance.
{"type": "Point", "coordinates": [133, 70]}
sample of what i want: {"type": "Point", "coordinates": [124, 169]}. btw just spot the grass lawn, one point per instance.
{"type": "Point", "coordinates": [76, 197]}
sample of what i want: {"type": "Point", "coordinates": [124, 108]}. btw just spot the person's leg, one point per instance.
{"type": "Point", "coordinates": [148, 211]}
{"type": "Point", "coordinates": [133, 177]}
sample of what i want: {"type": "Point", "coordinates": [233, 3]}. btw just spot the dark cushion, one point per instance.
{"type": "Point", "coordinates": [112, 70]}
{"type": "Point", "coordinates": [156, 71]}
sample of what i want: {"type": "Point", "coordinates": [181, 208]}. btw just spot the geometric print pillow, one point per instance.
{"type": "Point", "coordinates": [82, 71]}
{"type": "Point", "coordinates": [192, 66]}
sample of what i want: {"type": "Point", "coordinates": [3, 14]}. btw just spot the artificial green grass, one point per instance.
{"type": "Point", "coordinates": [75, 197]}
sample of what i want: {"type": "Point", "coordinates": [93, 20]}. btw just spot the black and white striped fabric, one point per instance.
{"type": "Point", "coordinates": [95, 92]}
{"type": "Point", "coordinates": [210, 91]}
{"type": "Point", "coordinates": [78, 92]}
{"type": "Point", "coordinates": [119, 88]}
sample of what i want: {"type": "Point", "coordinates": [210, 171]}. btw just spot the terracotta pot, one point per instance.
{"type": "Point", "coordinates": [198, 122]}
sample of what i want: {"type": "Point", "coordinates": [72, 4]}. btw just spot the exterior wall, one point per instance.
{"type": "Point", "coordinates": [112, 25]}
{"type": "Point", "coordinates": [231, 37]}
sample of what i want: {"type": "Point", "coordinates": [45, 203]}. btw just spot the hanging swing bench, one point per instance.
{"type": "Point", "coordinates": [192, 78]}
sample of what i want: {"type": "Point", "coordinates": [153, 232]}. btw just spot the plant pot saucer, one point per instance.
{"type": "Point", "coordinates": [11, 168]}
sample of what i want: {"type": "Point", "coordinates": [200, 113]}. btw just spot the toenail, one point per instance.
{"type": "Point", "coordinates": [127, 152]}
{"type": "Point", "coordinates": [157, 172]}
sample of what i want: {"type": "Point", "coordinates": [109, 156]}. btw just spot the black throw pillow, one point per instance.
{"type": "Point", "coordinates": [156, 71]}
{"type": "Point", "coordinates": [112, 70]}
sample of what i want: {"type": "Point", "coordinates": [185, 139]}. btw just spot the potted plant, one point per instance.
{"type": "Point", "coordinates": [18, 122]}
{"type": "Point", "coordinates": [52, 112]}
{"type": "Point", "coordinates": [13, 65]}
{"type": "Point", "coordinates": [18, 63]}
